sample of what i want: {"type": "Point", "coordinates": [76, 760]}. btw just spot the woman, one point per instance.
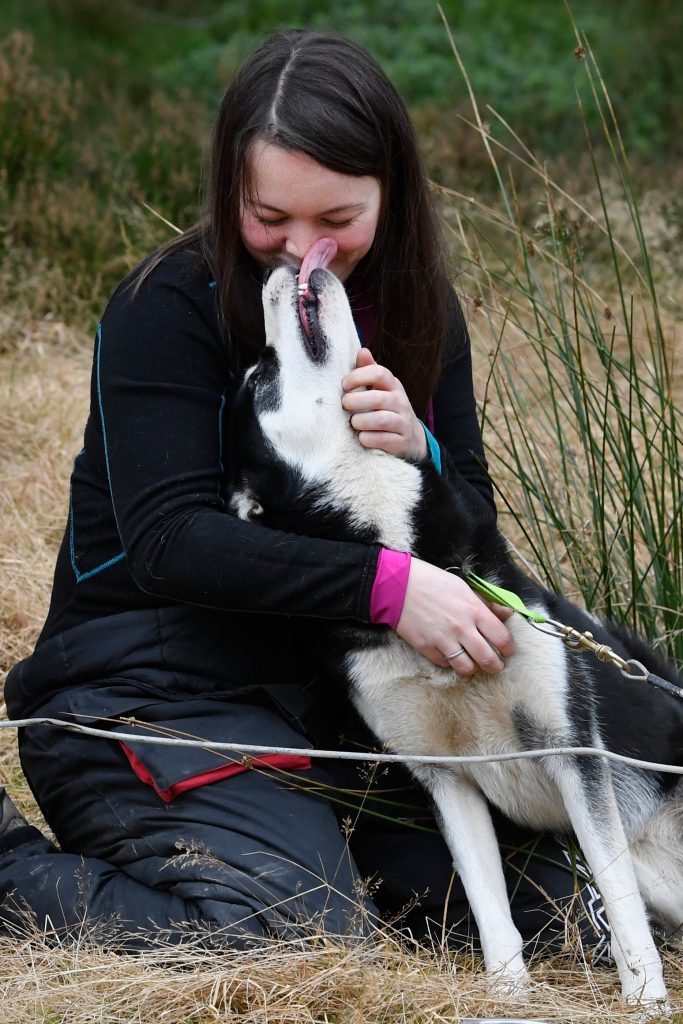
{"type": "Point", "coordinates": [167, 608]}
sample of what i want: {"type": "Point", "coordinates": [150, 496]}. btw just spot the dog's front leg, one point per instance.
{"type": "Point", "coordinates": [468, 830]}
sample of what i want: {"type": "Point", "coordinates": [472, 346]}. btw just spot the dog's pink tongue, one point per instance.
{"type": "Point", "coordinates": [318, 256]}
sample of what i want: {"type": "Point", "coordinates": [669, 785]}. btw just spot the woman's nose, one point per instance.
{"type": "Point", "coordinates": [298, 242]}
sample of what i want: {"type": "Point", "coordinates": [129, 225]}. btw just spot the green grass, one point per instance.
{"type": "Point", "coordinates": [581, 412]}
{"type": "Point", "coordinates": [519, 53]}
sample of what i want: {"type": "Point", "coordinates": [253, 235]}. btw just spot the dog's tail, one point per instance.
{"type": "Point", "coordinates": [658, 861]}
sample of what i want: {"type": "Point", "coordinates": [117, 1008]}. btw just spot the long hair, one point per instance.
{"type": "Point", "coordinates": [323, 95]}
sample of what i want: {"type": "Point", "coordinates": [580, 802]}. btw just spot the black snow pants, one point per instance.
{"type": "Point", "coordinates": [160, 844]}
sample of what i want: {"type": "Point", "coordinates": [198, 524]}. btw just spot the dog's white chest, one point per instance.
{"type": "Point", "coordinates": [412, 708]}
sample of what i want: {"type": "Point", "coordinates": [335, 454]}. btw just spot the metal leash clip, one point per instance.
{"type": "Point", "coordinates": [577, 641]}
{"type": "Point", "coordinates": [630, 669]}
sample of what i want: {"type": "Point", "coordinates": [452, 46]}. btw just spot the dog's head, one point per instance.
{"type": "Point", "coordinates": [299, 465]}
{"type": "Point", "coordinates": [292, 396]}
{"type": "Point", "coordinates": [296, 385]}
{"type": "Point", "coordinates": [288, 418]}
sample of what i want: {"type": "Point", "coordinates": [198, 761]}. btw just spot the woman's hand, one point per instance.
{"type": "Point", "coordinates": [381, 413]}
{"type": "Point", "coordinates": [442, 615]}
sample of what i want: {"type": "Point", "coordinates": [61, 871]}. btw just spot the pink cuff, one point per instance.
{"type": "Point", "coordinates": [389, 588]}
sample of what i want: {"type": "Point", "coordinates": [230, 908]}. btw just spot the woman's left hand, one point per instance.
{"type": "Point", "coordinates": [380, 410]}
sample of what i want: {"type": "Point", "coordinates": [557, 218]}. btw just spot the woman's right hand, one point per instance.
{"type": "Point", "coordinates": [441, 615]}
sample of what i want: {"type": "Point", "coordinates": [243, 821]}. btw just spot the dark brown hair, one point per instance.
{"type": "Point", "coordinates": [325, 96]}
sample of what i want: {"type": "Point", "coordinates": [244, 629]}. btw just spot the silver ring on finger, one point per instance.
{"type": "Point", "coordinates": [455, 654]}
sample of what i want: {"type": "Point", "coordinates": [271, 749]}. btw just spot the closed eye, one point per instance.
{"type": "Point", "coordinates": [275, 222]}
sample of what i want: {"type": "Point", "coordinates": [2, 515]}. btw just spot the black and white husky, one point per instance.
{"type": "Point", "coordinates": [301, 468]}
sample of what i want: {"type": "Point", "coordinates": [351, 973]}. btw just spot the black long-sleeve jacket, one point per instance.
{"type": "Point", "coordinates": [150, 548]}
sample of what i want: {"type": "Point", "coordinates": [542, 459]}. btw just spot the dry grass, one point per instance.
{"type": "Point", "coordinates": [43, 406]}
{"type": "Point", "coordinates": [44, 373]}
{"type": "Point", "coordinates": [325, 982]}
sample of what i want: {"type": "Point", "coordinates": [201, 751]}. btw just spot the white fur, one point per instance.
{"type": "Point", "coordinates": [416, 707]}
{"type": "Point", "coordinates": [395, 693]}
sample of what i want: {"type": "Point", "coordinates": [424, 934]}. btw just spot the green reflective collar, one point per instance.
{"type": "Point", "coordinates": [501, 596]}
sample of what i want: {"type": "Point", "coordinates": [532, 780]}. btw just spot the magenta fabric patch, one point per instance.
{"type": "Point", "coordinates": [389, 588]}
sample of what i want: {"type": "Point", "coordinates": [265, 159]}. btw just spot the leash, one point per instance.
{"type": "Point", "coordinates": [572, 638]}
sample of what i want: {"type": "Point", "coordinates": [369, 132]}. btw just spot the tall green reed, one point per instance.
{"type": "Point", "coordinates": [580, 410]}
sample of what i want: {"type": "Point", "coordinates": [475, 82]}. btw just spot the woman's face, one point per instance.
{"type": "Point", "coordinates": [294, 201]}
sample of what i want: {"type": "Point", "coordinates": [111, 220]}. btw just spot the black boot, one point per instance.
{"type": "Point", "coordinates": [10, 817]}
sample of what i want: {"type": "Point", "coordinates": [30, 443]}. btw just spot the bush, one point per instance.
{"type": "Point", "coordinates": [519, 53]}
{"type": "Point", "coordinates": [72, 196]}
{"type": "Point", "coordinates": [38, 112]}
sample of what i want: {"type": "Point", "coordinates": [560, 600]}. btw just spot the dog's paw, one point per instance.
{"type": "Point", "coordinates": [645, 991]}
{"type": "Point", "coordinates": [508, 984]}
{"type": "Point", "coordinates": [644, 1010]}
{"type": "Point", "coordinates": [245, 506]}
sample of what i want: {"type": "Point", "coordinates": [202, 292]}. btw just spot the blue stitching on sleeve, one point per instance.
{"type": "Point", "coordinates": [99, 568]}
{"type": "Point", "coordinates": [434, 450]}
{"type": "Point", "coordinates": [80, 576]}
{"type": "Point", "coordinates": [104, 429]}
{"type": "Point", "coordinates": [72, 544]}
{"type": "Point", "coordinates": [72, 540]}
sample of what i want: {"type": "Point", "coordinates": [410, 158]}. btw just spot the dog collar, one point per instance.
{"type": "Point", "coordinates": [501, 596]}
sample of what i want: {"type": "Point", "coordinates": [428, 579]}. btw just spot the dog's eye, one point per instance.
{"type": "Point", "coordinates": [254, 379]}
{"type": "Point", "coordinates": [263, 368]}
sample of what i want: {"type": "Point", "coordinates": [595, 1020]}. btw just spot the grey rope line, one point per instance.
{"type": "Point", "coordinates": [344, 755]}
